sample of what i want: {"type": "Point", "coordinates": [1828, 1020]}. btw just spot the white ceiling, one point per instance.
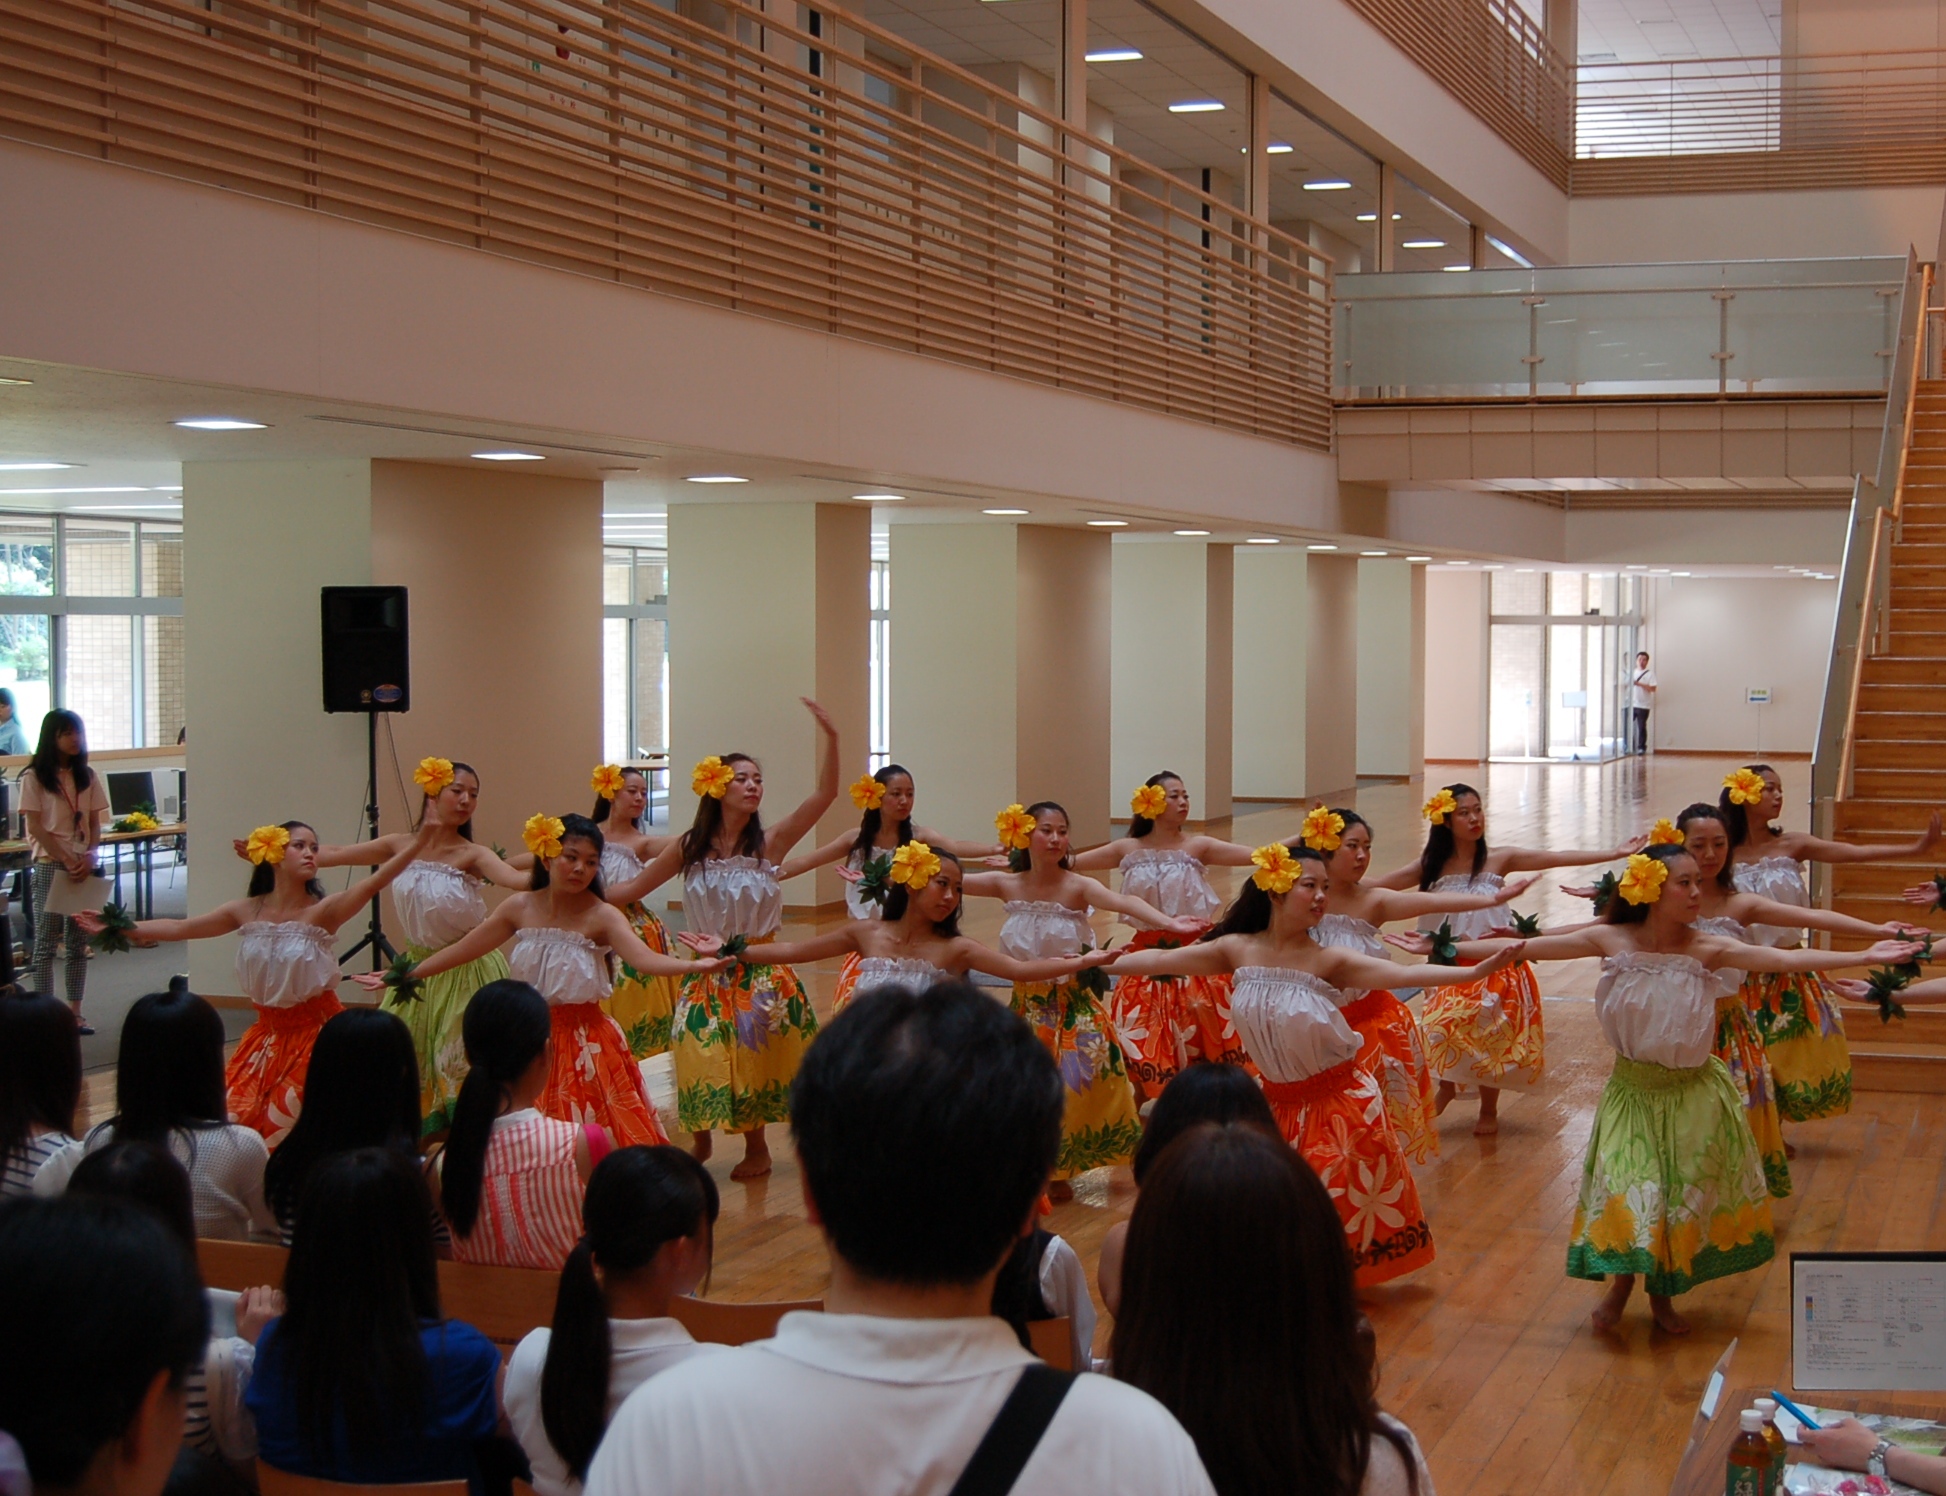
{"type": "Point", "coordinates": [1668, 30]}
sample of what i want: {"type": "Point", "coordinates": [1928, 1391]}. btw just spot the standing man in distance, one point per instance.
{"type": "Point", "coordinates": [1641, 696]}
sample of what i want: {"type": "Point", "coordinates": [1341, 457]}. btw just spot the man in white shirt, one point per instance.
{"type": "Point", "coordinates": [1641, 697]}
{"type": "Point", "coordinates": [926, 1126]}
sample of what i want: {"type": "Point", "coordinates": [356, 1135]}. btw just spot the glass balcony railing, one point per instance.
{"type": "Point", "coordinates": [1756, 327]}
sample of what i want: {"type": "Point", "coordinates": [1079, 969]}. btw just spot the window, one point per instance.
{"type": "Point", "coordinates": [1560, 647]}
{"type": "Point", "coordinates": [635, 653]}
{"type": "Point", "coordinates": [91, 620]}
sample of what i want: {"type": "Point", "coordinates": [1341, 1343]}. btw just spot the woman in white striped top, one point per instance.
{"type": "Point", "coordinates": [40, 1084]}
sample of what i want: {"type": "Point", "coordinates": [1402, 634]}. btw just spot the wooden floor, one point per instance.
{"type": "Point", "coordinates": [1487, 1354]}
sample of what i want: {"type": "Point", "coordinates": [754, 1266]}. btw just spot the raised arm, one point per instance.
{"type": "Point", "coordinates": [839, 942]}
{"type": "Point", "coordinates": [788, 832]}
{"type": "Point", "coordinates": [1540, 859]}
{"type": "Point", "coordinates": [1396, 904]}
{"type": "Point", "coordinates": [1817, 849]}
{"type": "Point", "coordinates": [334, 909]}
{"type": "Point", "coordinates": [1406, 876]}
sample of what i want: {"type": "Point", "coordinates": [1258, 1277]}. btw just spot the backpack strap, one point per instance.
{"type": "Point", "coordinates": [1015, 1433]}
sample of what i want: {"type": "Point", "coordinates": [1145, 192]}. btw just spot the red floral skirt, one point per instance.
{"type": "Point", "coordinates": [1395, 1056]}
{"type": "Point", "coordinates": [265, 1078]}
{"type": "Point", "coordinates": [594, 1078]}
{"type": "Point", "coordinates": [1337, 1120]}
{"type": "Point", "coordinates": [847, 981]}
{"type": "Point", "coordinates": [1165, 1024]}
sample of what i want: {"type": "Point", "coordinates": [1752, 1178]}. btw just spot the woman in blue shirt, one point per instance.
{"type": "Point", "coordinates": [361, 1380]}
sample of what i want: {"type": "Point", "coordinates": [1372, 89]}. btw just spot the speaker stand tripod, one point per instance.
{"type": "Point", "coordinates": [374, 937]}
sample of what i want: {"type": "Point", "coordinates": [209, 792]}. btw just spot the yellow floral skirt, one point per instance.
{"type": "Point", "coordinates": [643, 1005]}
{"type": "Point", "coordinates": [1740, 1047]}
{"type": "Point", "coordinates": [1804, 1036]}
{"type": "Point", "coordinates": [1673, 1187]}
{"type": "Point", "coordinates": [740, 1035]}
{"type": "Point", "coordinates": [1486, 1033]}
{"type": "Point", "coordinates": [1393, 1053]}
{"type": "Point", "coordinates": [1099, 1125]}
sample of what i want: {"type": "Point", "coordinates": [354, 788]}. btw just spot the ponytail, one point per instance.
{"type": "Point", "coordinates": [506, 1027]}
{"type": "Point", "coordinates": [638, 1200]}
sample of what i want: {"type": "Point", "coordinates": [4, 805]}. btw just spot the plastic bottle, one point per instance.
{"type": "Point", "coordinates": [1749, 1466]}
{"type": "Point", "coordinates": [1780, 1450]}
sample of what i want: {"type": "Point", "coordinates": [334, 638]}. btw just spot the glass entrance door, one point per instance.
{"type": "Point", "coordinates": [1561, 645]}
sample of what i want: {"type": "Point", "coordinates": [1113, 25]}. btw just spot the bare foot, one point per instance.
{"type": "Point", "coordinates": [1486, 1127]}
{"type": "Point", "coordinates": [1060, 1191]}
{"type": "Point", "coordinates": [1608, 1313]}
{"type": "Point", "coordinates": [701, 1144]}
{"type": "Point", "coordinates": [1443, 1098]}
{"type": "Point", "coordinates": [1489, 1122]}
{"type": "Point", "coordinates": [1663, 1311]}
{"type": "Point", "coordinates": [756, 1157]}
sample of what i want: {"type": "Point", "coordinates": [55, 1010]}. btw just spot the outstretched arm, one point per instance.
{"type": "Point", "coordinates": [1213, 851]}
{"type": "Point", "coordinates": [842, 941]}
{"type": "Point", "coordinates": [1540, 859]}
{"type": "Point", "coordinates": [219, 921]}
{"type": "Point", "coordinates": [1139, 912]}
{"type": "Point", "coordinates": [1048, 969]}
{"type": "Point", "coordinates": [660, 869]}
{"type": "Point", "coordinates": [1347, 968]}
{"type": "Point", "coordinates": [832, 851]}
{"type": "Point", "coordinates": [1932, 990]}
{"type": "Point", "coordinates": [1817, 849]}
{"type": "Point", "coordinates": [987, 885]}
{"type": "Point", "coordinates": [788, 832]}
{"type": "Point", "coordinates": [1108, 854]}
{"type": "Point", "coordinates": [490, 934]}
{"type": "Point", "coordinates": [1749, 909]}
{"type": "Point", "coordinates": [1406, 876]}
{"type": "Point", "coordinates": [1206, 958]}
{"type": "Point", "coordinates": [1769, 958]}
{"type": "Point", "coordinates": [358, 854]}
{"type": "Point", "coordinates": [1394, 904]}
{"type": "Point", "coordinates": [966, 850]}
{"type": "Point", "coordinates": [497, 870]}
{"type": "Point", "coordinates": [334, 909]}
{"type": "Point", "coordinates": [620, 937]}
{"type": "Point", "coordinates": [1583, 942]}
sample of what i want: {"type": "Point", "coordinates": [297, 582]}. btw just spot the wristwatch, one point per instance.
{"type": "Point", "coordinates": [1875, 1462]}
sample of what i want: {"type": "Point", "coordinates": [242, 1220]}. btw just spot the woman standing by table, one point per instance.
{"type": "Point", "coordinates": [62, 802]}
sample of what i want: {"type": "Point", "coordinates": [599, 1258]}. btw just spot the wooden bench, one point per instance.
{"type": "Point", "coordinates": [274, 1482]}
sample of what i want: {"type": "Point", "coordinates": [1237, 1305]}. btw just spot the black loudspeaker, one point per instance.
{"type": "Point", "coordinates": [367, 661]}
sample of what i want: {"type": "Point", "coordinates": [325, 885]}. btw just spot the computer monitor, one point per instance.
{"type": "Point", "coordinates": [126, 791]}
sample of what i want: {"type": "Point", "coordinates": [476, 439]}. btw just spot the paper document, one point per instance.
{"type": "Point", "coordinates": [1869, 1321]}
{"type": "Point", "coordinates": [65, 896]}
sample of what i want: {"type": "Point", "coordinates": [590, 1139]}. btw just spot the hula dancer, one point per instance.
{"type": "Point", "coordinates": [644, 1005]}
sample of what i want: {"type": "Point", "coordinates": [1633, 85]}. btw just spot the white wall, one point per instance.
{"type": "Point", "coordinates": [1391, 668]}
{"type": "Point", "coordinates": [1456, 661]}
{"type": "Point", "coordinates": [1711, 639]}
{"type": "Point", "coordinates": [1272, 646]}
{"type": "Point", "coordinates": [1754, 225]}
{"type": "Point", "coordinates": [1160, 664]}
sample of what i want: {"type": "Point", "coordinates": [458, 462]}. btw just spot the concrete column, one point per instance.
{"type": "Point", "coordinates": [261, 539]}
{"type": "Point", "coordinates": [1173, 677]}
{"type": "Point", "coordinates": [1456, 676]}
{"type": "Point", "coordinates": [1271, 604]}
{"type": "Point", "coordinates": [1063, 630]}
{"type": "Point", "coordinates": [504, 572]}
{"type": "Point", "coordinates": [767, 603]}
{"type": "Point", "coordinates": [1331, 677]}
{"type": "Point", "coordinates": [1391, 668]}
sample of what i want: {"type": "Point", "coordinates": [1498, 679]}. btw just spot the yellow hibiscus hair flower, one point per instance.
{"type": "Point", "coordinates": [1324, 829]}
{"type": "Point", "coordinates": [1642, 881]}
{"type": "Point", "coordinates": [1439, 807]}
{"type": "Point", "coordinates": [1014, 826]}
{"type": "Point", "coordinates": [867, 792]}
{"type": "Point", "coordinates": [1664, 834]}
{"type": "Point", "coordinates": [606, 781]}
{"type": "Point", "coordinates": [267, 844]}
{"type": "Point", "coordinates": [711, 777]}
{"type": "Point", "coordinates": [1276, 868]}
{"type": "Point", "coordinates": [915, 865]}
{"type": "Point", "coordinates": [433, 774]}
{"type": "Point", "coordinates": [543, 836]}
{"type": "Point", "coordinates": [1149, 801]}
{"type": "Point", "coordinates": [1746, 787]}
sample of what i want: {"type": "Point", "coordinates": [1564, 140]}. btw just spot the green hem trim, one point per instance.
{"type": "Point", "coordinates": [1777, 1176]}
{"type": "Point", "coordinates": [1585, 1262]}
{"type": "Point", "coordinates": [1799, 1102]}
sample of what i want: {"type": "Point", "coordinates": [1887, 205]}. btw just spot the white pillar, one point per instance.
{"type": "Point", "coordinates": [1331, 678]}
{"type": "Point", "coordinates": [1272, 632]}
{"type": "Point", "coordinates": [1391, 668]}
{"type": "Point", "coordinates": [1173, 670]}
{"type": "Point", "coordinates": [1456, 635]}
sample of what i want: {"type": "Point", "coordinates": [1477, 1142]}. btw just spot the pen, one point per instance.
{"type": "Point", "coordinates": [1793, 1409]}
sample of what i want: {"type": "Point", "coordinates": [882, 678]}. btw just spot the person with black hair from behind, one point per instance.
{"type": "Point", "coordinates": [110, 1307]}
{"type": "Point", "coordinates": [40, 1084]}
{"type": "Point", "coordinates": [650, 1213]}
{"type": "Point", "coordinates": [907, 1385]}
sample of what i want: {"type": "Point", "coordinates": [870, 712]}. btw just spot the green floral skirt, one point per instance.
{"type": "Point", "coordinates": [435, 1021]}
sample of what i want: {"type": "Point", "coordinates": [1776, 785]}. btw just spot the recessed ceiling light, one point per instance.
{"type": "Point", "coordinates": [1263, 540]}
{"type": "Point", "coordinates": [1115, 54]}
{"type": "Point", "coordinates": [45, 491]}
{"type": "Point", "coordinates": [1636, 566]}
{"type": "Point", "coordinates": [1374, 553]}
{"type": "Point", "coordinates": [1660, 571]}
{"type": "Point", "coordinates": [1278, 148]}
{"type": "Point", "coordinates": [220, 423]}
{"type": "Point", "coordinates": [1109, 524]}
{"type": "Point", "coordinates": [119, 508]}
{"type": "Point", "coordinates": [1320, 548]}
{"type": "Point", "coordinates": [1368, 218]}
{"type": "Point", "coordinates": [1423, 244]}
{"type": "Point", "coordinates": [9, 379]}
{"type": "Point", "coordinates": [1528, 569]}
{"type": "Point", "coordinates": [1197, 106]}
{"type": "Point", "coordinates": [1455, 267]}
{"type": "Point", "coordinates": [879, 498]}
{"type": "Point", "coordinates": [1192, 532]}
{"type": "Point", "coordinates": [1494, 566]}
{"type": "Point", "coordinates": [33, 467]}
{"type": "Point", "coordinates": [1003, 511]}
{"type": "Point", "coordinates": [509, 457]}
{"type": "Point", "coordinates": [1330, 184]}
{"type": "Point", "coordinates": [1678, 573]}
{"type": "Point", "coordinates": [1418, 558]}
{"type": "Point", "coordinates": [715, 478]}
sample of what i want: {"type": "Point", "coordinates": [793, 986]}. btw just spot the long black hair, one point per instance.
{"type": "Point", "coordinates": [873, 821]}
{"type": "Point", "coordinates": [1702, 811]}
{"type": "Point", "coordinates": [360, 1282]}
{"type": "Point", "coordinates": [639, 1200]}
{"type": "Point", "coordinates": [1249, 911]}
{"type": "Point", "coordinates": [40, 1067]}
{"type": "Point", "coordinates": [48, 760]}
{"type": "Point", "coordinates": [169, 1068]}
{"type": "Point", "coordinates": [1440, 844]}
{"type": "Point", "coordinates": [1737, 817]}
{"type": "Point", "coordinates": [426, 800]}
{"type": "Point", "coordinates": [898, 897]}
{"type": "Point", "coordinates": [505, 1029]}
{"type": "Point", "coordinates": [605, 806]}
{"type": "Point", "coordinates": [1619, 911]}
{"type": "Point", "coordinates": [1019, 858]}
{"type": "Point", "coordinates": [360, 1091]}
{"type": "Point", "coordinates": [149, 1175]}
{"type": "Point", "coordinates": [701, 835]}
{"type": "Point", "coordinates": [1141, 826]}
{"type": "Point", "coordinates": [1202, 1092]}
{"type": "Point", "coordinates": [263, 877]}
{"type": "Point", "coordinates": [573, 827]}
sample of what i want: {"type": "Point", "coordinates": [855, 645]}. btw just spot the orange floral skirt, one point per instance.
{"type": "Point", "coordinates": [847, 981]}
{"type": "Point", "coordinates": [1336, 1119]}
{"type": "Point", "coordinates": [1395, 1056]}
{"type": "Point", "coordinates": [1486, 1033]}
{"type": "Point", "coordinates": [265, 1078]}
{"type": "Point", "coordinates": [1166, 1024]}
{"type": "Point", "coordinates": [594, 1078]}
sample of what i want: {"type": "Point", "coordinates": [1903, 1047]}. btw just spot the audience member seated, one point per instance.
{"type": "Point", "coordinates": [40, 1084]}
{"type": "Point", "coordinates": [1237, 1314]}
{"type": "Point", "coordinates": [101, 1319]}
{"type": "Point", "coordinates": [927, 1126]}
{"type": "Point", "coordinates": [360, 1379]}
{"type": "Point", "coordinates": [1204, 1092]}
{"type": "Point", "coordinates": [361, 1090]}
{"type": "Point", "coordinates": [169, 1091]}
{"type": "Point", "coordinates": [1042, 1278]}
{"type": "Point", "coordinates": [510, 1179]}
{"type": "Point", "coordinates": [650, 1214]}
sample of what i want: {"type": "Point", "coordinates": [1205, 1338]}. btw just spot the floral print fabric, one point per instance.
{"type": "Point", "coordinates": [740, 1034]}
{"type": "Point", "coordinates": [1099, 1125]}
{"type": "Point", "coordinates": [1486, 1033]}
{"type": "Point", "coordinates": [593, 1077]}
{"type": "Point", "coordinates": [1393, 1053]}
{"type": "Point", "coordinates": [1804, 1036]}
{"type": "Point", "coordinates": [265, 1076]}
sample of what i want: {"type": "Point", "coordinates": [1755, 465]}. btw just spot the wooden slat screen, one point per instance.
{"type": "Point", "coordinates": [811, 168]}
{"type": "Point", "coordinates": [1761, 123]}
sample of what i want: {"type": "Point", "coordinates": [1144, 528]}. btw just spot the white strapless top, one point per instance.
{"type": "Point", "coordinates": [281, 963]}
{"type": "Point", "coordinates": [1657, 1008]}
{"type": "Point", "coordinates": [1728, 979]}
{"type": "Point", "coordinates": [1468, 924]}
{"type": "Point", "coordinates": [1289, 1022]}
{"type": "Point", "coordinates": [908, 972]}
{"type": "Point", "coordinates": [618, 865]}
{"type": "Point", "coordinates": [1348, 933]}
{"type": "Point", "coordinates": [1034, 930]}
{"type": "Point", "coordinates": [436, 904]}
{"type": "Point", "coordinates": [564, 966]}
{"type": "Point", "coordinates": [1174, 882]}
{"type": "Point", "coordinates": [733, 896]}
{"type": "Point", "coordinates": [1779, 879]}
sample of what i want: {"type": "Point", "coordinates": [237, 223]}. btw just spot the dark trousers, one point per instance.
{"type": "Point", "coordinates": [1641, 714]}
